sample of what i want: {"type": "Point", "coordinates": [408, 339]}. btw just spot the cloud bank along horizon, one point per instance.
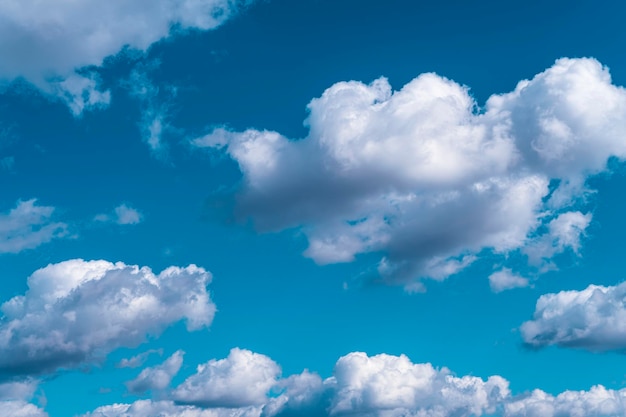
{"type": "Point", "coordinates": [429, 180]}
{"type": "Point", "coordinates": [250, 384]}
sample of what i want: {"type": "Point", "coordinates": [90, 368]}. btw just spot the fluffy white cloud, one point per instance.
{"type": "Point", "coordinates": [77, 311]}
{"type": "Point", "coordinates": [242, 379]}
{"type": "Point", "coordinates": [377, 386]}
{"type": "Point", "coordinates": [423, 177]}
{"type": "Point", "coordinates": [27, 226]}
{"type": "Point", "coordinates": [46, 42]}
{"type": "Point", "coordinates": [593, 319]}
{"type": "Point", "coordinates": [597, 402]}
{"type": "Point", "coordinates": [157, 377]}
{"type": "Point", "coordinates": [394, 386]}
{"type": "Point", "coordinates": [505, 279]}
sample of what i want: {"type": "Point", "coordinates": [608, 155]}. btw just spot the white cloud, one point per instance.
{"type": "Point", "coordinates": [27, 226]}
{"type": "Point", "coordinates": [240, 380]}
{"type": "Point", "coordinates": [380, 386]}
{"type": "Point", "coordinates": [592, 319]}
{"type": "Point", "coordinates": [14, 397]}
{"type": "Point", "coordinates": [394, 386]}
{"type": "Point", "coordinates": [424, 178]}
{"type": "Point", "coordinates": [21, 409]}
{"type": "Point", "coordinates": [46, 42]}
{"type": "Point", "coordinates": [376, 386]}
{"type": "Point", "coordinates": [505, 279]}
{"type": "Point", "coordinates": [564, 232]}
{"type": "Point", "coordinates": [127, 215]}
{"type": "Point", "coordinates": [78, 311]}
{"type": "Point", "coordinates": [147, 408]}
{"type": "Point", "coordinates": [122, 215]}
{"type": "Point", "coordinates": [597, 402]}
{"type": "Point", "coordinates": [155, 103]}
{"type": "Point", "coordinates": [157, 377]}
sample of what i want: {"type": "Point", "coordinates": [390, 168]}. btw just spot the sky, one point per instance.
{"type": "Point", "coordinates": [259, 208]}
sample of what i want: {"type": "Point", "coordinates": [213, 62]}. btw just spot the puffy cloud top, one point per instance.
{"type": "Point", "coordinates": [423, 177]}
{"type": "Point", "coordinates": [394, 386]}
{"type": "Point", "coordinates": [592, 319]}
{"type": "Point", "coordinates": [242, 379]}
{"type": "Point", "coordinates": [597, 402]}
{"type": "Point", "coordinates": [377, 386]}
{"type": "Point", "coordinates": [77, 311]}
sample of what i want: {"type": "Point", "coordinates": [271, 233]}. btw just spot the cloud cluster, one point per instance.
{"type": "Point", "coordinates": [361, 385]}
{"type": "Point", "coordinates": [27, 226]}
{"type": "Point", "coordinates": [78, 311]}
{"type": "Point", "coordinates": [46, 42]}
{"type": "Point", "coordinates": [592, 319]}
{"type": "Point", "coordinates": [381, 385]}
{"type": "Point", "coordinates": [597, 402]}
{"type": "Point", "coordinates": [428, 179]}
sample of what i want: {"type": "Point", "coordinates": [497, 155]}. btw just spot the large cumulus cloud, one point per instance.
{"type": "Point", "coordinates": [592, 319]}
{"type": "Point", "coordinates": [45, 42]}
{"type": "Point", "coordinates": [78, 311]}
{"type": "Point", "coordinates": [428, 179]}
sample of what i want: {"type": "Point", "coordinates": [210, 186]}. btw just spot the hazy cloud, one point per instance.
{"type": "Point", "coordinates": [157, 377]}
{"type": "Point", "coordinates": [27, 226]}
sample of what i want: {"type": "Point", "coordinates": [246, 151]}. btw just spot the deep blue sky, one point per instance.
{"type": "Point", "coordinates": [259, 70]}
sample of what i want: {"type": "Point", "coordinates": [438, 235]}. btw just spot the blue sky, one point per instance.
{"type": "Point", "coordinates": [312, 208]}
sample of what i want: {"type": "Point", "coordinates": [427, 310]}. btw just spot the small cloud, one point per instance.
{"type": "Point", "coordinates": [590, 319]}
{"type": "Point", "coordinates": [127, 215]}
{"type": "Point", "coordinates": [122, 215]}
{"type": "Point", "coordinates": [138, 360]}
{"type": "Point", "coordinates": [158, 377]}
{"type": "Point", "coordinates": [505, 279]}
